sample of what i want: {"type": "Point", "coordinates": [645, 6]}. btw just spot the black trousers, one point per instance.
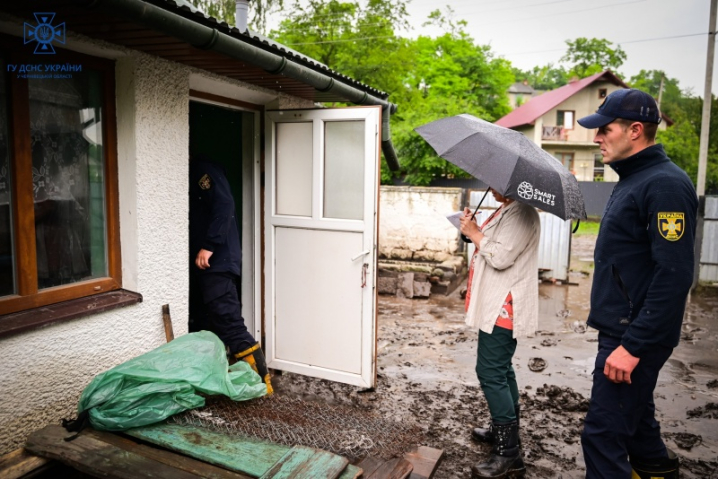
{"type": "Point", "coordinates": [215, 306]}
{"type": "Point", "coordinates": [621, 417]}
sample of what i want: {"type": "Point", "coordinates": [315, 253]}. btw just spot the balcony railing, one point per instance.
{"type": "Point", "coordinates": [554, 133]}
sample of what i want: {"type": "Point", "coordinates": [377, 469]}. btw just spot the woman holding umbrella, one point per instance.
{"type": "Point", "coordinates": [502, 302]}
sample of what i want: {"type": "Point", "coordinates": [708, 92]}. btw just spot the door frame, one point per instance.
{"type": "Point", "coordinates": [251, 231]}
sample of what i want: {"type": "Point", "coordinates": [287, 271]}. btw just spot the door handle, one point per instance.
{"type": "Point", "coordinates": [363, 253]}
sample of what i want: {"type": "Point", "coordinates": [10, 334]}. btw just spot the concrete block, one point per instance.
{"type": "Point", "coordinates": [422, 289]}
{"type": "Point", "coordinates": [386, 284]}
{"type": "Point", "coordinates": [405, 286]}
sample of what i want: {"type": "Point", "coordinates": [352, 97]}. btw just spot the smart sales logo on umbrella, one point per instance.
{"type": "Point", "coordinates": [528, 192]}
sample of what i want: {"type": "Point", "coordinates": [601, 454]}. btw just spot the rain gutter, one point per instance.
{"type": "Point", "coordinates": [208, 38]}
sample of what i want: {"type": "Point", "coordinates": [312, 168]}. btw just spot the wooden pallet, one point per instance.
{"type": "Point", "coordinates": [199, 453]}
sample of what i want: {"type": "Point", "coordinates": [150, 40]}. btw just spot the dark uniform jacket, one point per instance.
{"type": "Point", "coordinates": [644, 253]}
{"type": "Point", "coordinates": [212, 222]}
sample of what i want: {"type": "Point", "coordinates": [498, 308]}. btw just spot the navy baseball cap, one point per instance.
{"type": "Point", "coordinates": [628, 104]}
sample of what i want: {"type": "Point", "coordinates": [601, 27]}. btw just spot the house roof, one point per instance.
{"type": "Point", "coordinates": [103, 24]}
{"type": "Point", "coordinates": [533, 109]}
{"type": "Point", "coordinates": [521, 87]}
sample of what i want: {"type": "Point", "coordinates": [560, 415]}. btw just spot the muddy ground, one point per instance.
{"type": "Point", "coordinates": [426, 359]}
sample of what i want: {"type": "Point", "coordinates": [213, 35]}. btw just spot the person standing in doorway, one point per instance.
{"type": "Point", "coordinates": [643, 274]}
{"type": "Point", "coordinates": [502, 302]}
{"type": "Point", "coordinates": [215, 265]}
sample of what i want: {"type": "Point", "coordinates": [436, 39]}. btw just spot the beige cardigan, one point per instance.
{"type": "Point", "coordinates": [507, 262]}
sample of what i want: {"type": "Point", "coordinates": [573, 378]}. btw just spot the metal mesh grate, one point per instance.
{"type": "Point", "coordinates": [343, 430]}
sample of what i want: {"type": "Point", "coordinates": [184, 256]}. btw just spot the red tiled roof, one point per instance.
{"type": "Point", "coordinates": [530, 111]}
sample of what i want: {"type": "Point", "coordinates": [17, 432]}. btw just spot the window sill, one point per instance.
{"type": "Point", "coordinates": [75, 308]}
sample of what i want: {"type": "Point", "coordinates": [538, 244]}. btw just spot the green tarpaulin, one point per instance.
{"type": "Point", "coordinates": [165, 381]}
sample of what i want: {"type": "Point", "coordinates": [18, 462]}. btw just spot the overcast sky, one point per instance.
{"type": "Point", "coordinates": [533, 32]}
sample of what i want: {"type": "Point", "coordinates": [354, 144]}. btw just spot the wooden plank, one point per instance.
{"type": "Point", "coordinates": [303, 462]}
{"type": "Point", "coordinates": [18, 463]}
{"type": "Point", "coordinates": [167, 320]}
{"type": "Point", "coordinates": [351, 472]}
{"type": "Point", "coordinates": [248, 456]}
{"type": "Point", "coordinates": [92, 456]}
{"type": "Point", "coordinates": [396, 468]}
{"type": "Point", "coordinates": [178, 461]}
{"type": "Point", "coordinates": [425, 460]}
{"type": "Point", "coordinates": [370, 464]}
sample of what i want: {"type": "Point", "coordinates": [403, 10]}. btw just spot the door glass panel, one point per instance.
{"type": "Point", "coordinates": [294, 169]}
{"type": "Point", "coordinates": [68, 178]}
{"type": "Point", "coordinates": [344, 169]}
{"type": "Point", "coordinates": [7, 264]}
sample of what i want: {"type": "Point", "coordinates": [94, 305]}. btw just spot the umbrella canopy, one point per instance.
{"type": "Point", "coordinates": [508, 162]}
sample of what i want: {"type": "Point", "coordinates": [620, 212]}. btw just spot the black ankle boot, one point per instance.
{"type": "Point", "coordinates": [505, 460]}
{"type": "Point", "coordinates": [480, 434]}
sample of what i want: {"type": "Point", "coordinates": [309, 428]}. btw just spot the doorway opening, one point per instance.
{"type": "Point", "coordinates": [226, 136]}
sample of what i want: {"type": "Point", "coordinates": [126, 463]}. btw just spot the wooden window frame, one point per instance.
{"type": "Point", "coordinates": [573, 119]}
{"type": "Point", "coordinates": [28, 295]}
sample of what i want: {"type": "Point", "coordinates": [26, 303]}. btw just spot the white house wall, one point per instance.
{"type": "Point", "coordinates": [43, 371]}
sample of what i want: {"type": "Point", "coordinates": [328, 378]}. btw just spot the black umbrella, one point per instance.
{"type": "Point", "coordinates": [508, 162]}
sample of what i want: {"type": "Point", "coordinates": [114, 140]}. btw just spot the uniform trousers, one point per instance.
{"type": "Point", "coordinates": [215, 307]}
{"type": "Point", "coordinates": [621, 417]}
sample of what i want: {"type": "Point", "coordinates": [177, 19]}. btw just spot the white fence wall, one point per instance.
{"type": "Point", "coordinates": [413, 224]}
{"type": "Point", "coordinates": [709, 248]}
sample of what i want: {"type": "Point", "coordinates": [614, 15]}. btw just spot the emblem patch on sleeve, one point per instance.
{"type": "Point", "coordinates": [205, 182]}
{"type": "Point", "coordinates": [671, 225]}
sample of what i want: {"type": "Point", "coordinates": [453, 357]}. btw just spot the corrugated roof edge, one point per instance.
{"type": "Point", "coordinates": [190, 12]}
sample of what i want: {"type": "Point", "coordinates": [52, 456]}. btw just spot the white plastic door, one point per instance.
{"type": "Point", "coordinates": [322, 188]}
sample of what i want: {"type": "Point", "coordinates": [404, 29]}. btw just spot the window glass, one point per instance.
{"type": "Point", "coordinates": [7, 265]}
{"type": "Point", "coordinates": [68, 178]}
{"type": "Point", "coordinates": [344, 169]}
{"type": "Point", "coordinates": [568, 119]}
{"type": "Point", "coordinates": [294, 169]}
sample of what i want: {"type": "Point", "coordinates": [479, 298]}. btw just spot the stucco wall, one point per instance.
{"type": "Point", "coordinates": [43, 372]}
{"type": "Point", "coordinates": [413, 224]}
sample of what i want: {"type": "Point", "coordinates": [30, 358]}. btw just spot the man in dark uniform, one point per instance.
{"type": "Point", "coordinates": [643, 274]}
{"type": "Point", "coordinates": [215, 261]}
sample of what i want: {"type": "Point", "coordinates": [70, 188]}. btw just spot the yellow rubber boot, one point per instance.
{"type": "Point", "coordinates": [255, 358]}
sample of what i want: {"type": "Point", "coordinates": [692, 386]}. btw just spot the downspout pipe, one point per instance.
{"type": "Point", "coordinates": [208, 38]}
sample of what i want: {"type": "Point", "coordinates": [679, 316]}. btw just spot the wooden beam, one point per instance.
{"type": "Point", "coordinates": [19, 462]}
{"type": "Point", "coordinates": [109, 455]}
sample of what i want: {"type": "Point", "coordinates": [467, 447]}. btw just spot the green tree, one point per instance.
{"type": "Point", "coordinates": [452, 75]}
{"type": "Point", "coordinates": [547, 77]}
{"type": "Point", "coordinates": [586, 57]}
{"type": "Point", "coordinates": [357, 40]}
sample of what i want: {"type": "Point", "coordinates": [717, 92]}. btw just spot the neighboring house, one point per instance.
{"type": "Point", "coordinates": [521, 92]}
{"type": "Point", "coordinates": [102, 103]}
{"type": "Point", "coordinates": [550, 121]}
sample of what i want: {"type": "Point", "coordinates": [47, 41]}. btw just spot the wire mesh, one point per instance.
{"type": "Point", "coordinates": [341, 429]}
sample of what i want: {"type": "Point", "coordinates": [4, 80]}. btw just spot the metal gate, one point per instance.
{"type": "Point", "coordinates": [708, 269]}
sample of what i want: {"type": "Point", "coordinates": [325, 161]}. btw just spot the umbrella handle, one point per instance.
{"type": "Point", "coordinates": [463, 236]}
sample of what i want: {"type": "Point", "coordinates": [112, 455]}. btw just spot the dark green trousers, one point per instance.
{"type": "Point", "coordinates": [496, 375]}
